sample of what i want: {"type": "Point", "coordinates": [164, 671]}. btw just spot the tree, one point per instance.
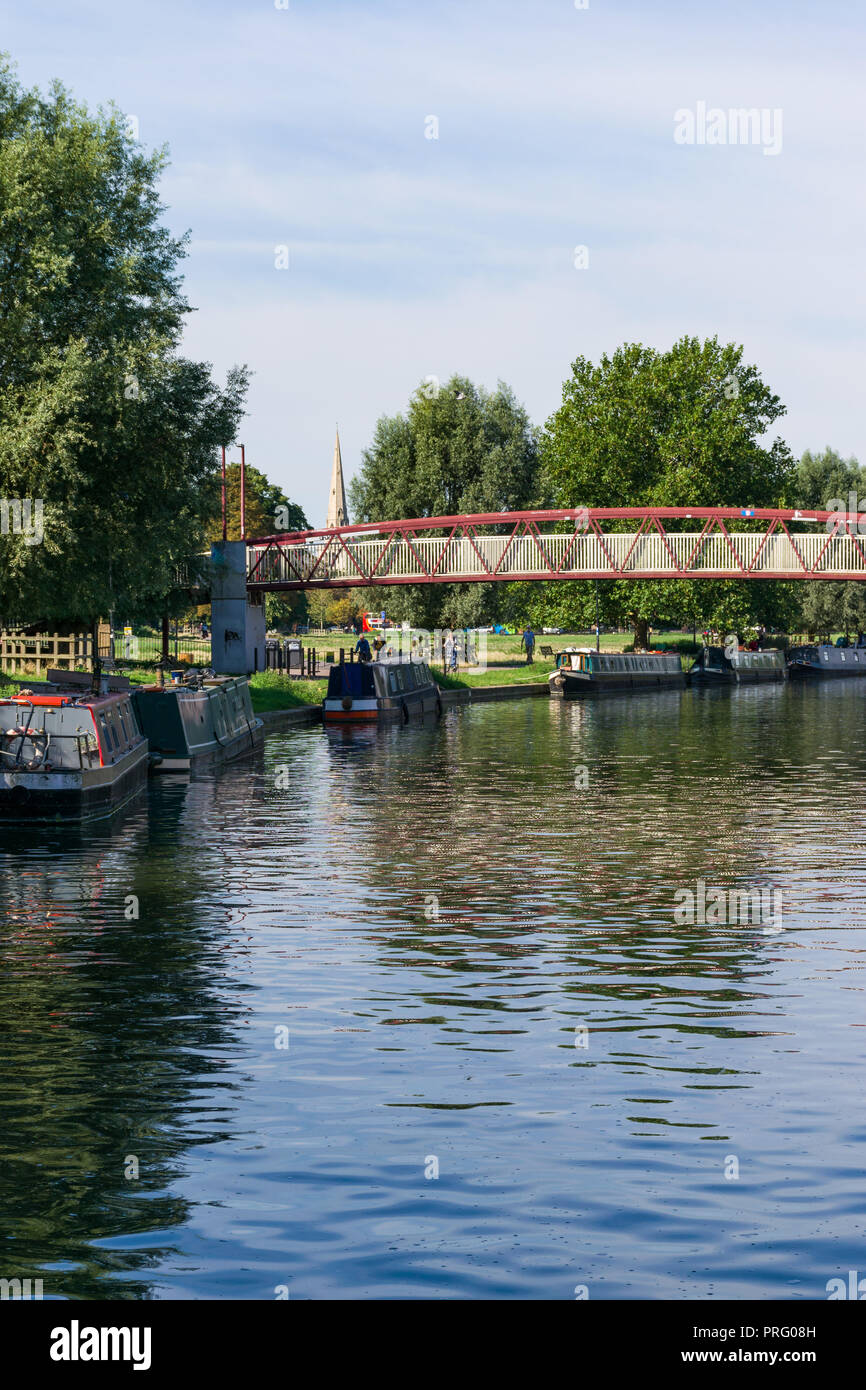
{"type": "Point", "coordinates": [102, 422]}
{"type": "Point", "coordinates": [676, 428]}
{"type": "Point", "coordinates": [825, 481]}
{"type": "Point", "coordinates": [458, 449]}
{"type": "Point", "coordinates": [267, 508]}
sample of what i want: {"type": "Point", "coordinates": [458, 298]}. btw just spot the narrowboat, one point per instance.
{"type": "Point", "coordinates": [69, 755]}
{"type": "Point", "coordinates": [384, 689]}
{"type": "Point", "coordinates": [580, 671]}
{"type": "Point", "coordinates": [823, 659]}
{"type": "Point", "coordinates": [199, 720]}
{"type": "Point", "coordinates": [714, 666]}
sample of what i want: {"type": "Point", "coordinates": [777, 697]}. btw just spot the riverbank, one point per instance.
{"type": "Point", "coordinates": [283, 701]}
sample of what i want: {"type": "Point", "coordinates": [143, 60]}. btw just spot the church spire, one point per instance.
{"type": "Point", "coordinates": [337, 512]}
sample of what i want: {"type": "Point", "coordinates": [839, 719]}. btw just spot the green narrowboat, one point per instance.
{"type": "Point", "coordinates": [581, 672]}
{"type": "Point", "coordinates": [196, 721]}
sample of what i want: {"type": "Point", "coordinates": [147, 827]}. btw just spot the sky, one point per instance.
{"type": "Point", "coordinates": [428, 170]}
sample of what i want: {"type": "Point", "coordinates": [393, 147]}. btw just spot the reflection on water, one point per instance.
{"type": "Point", "coordinates": [479, 971]}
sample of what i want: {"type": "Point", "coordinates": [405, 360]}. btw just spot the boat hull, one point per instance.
{"type": "Point", "coordinates": [387, 709]}
{"type": "Point", "coordinates": [827, 663]}
{"type": "Point", "coordinates": [577, 685]}
{"type": "Point", "coordinates": [740, 669]}
{"type": "Point", "coordinates": [54, 797]}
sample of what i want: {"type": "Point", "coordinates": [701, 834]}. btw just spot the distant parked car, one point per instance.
{"type": "Point", "coordinates": [552, 631]}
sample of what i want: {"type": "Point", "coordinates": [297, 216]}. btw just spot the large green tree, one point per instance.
{"type": "Point", "coordinates": [829, 482]}
{"type": "Point", "coordinates": [102, 421]}
{"type": "Point", "coordinates": [685, 427]}
{"type": "Point", "coordinates": [458, 449]}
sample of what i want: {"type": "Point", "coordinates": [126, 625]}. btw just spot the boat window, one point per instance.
{"type": "Point", "coordinates": [409, 677]}
{"type": "Point", "coordinates": [395, 680]}
{"type": "Point", "coordinates": [826, 656]}
{"type": "Point", "coordinates": [122, 726]}
{"type": "Point", "coordinates": [842, 654]}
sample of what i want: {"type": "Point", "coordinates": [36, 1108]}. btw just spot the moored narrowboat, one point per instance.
{"type": "Point", "coordinates": [823, 659]}
{"type": "Point", "coordinates": [384, 689]}
{"type": "Point", "coordinates": [581, 671]}
{"type": "Point", "coordinates": [69, 755]}
{"type": "Point", "coordinates": [199, 720]}
{"type": "Point", "coordinates": [714, 666]}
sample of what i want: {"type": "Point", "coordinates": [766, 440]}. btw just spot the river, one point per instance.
{"type": "Point", "coordinates": [408, 1013]}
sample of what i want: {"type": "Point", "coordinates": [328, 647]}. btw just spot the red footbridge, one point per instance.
{"type": "Point", "coordinates": [579, 543]}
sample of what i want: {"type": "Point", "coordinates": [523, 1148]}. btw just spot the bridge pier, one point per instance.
{"type": "Point", "coordinates": [237, 619]}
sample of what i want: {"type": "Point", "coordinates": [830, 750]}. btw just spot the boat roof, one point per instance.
{"type": "Point", "coordinates": [58, 700]}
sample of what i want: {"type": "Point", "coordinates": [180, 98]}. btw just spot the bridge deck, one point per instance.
{"type": "Point", "coordinates": [463, 551]}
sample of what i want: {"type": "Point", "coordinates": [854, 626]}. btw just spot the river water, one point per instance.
{"type": "Point", "coordinates": [408, 1013]}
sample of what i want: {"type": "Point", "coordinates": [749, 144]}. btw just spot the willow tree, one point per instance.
{"type": "Point", "coordinates": [685, 427]}
{"type": "Point", "coordinates": [105, 429]}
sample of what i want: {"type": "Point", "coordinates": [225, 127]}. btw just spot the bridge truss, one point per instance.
{"type": "Point", "coordinates": [580, 543]}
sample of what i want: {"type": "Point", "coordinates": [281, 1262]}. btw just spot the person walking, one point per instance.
{"type": "Point", "coordinates": [528, 641]}
{"type": "Point", "coordinates": [362, 647]}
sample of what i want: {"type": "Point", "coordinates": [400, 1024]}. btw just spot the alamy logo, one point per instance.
{"type": "Point", "coordinates": [20, 1288]}
{"type": "Point", "coordinates": [848, 518]}
{"type": "Point", "coordinates": [739, 125]}
{"type": "Point", "coordinates": [856, 1288]}
{"type": "Point", "coordinates": [77, 1343]}
{"type": "Point", "coordinates": [25, 517]}
{"type": "Point", "coordinates": [720, 907]}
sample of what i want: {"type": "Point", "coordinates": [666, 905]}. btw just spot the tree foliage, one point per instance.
{"type": "Point", "coordinates": [101, 418]}
{"type": "Point", "coordinates": [678, 428]}
{"type": "Point", "coordinates": [824, 481]}
{"type": "Point", "coordinates": [265, 504]}
{"type": "Point", "coordinates": [458, 449]}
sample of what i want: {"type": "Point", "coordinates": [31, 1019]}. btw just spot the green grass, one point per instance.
{"type": "Point", "coordinates": [536, 674]}
{"type": "Point", "coordinates": [273, 690]}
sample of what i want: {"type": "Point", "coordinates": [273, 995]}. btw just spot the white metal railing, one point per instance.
{"type": "Point", "coordinates": [570, 556]}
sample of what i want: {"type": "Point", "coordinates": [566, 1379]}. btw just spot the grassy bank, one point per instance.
{"type": "Point", "coordinates": [273, 690]}
{"type": "Point", "coordinates": [536, 674]}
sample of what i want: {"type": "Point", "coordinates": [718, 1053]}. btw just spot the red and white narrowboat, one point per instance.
{"type": "Point", "coordinates": [69, 755]}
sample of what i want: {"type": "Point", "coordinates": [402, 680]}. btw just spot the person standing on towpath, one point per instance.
{"type": "Point", "coordinates": [528, 641]}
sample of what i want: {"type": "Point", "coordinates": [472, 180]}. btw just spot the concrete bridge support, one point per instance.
{"type": "Point", "coordinates": [237, 618]}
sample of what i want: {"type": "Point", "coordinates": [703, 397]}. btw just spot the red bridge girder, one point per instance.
{"type": "Point", "coordinates": [312, 558]}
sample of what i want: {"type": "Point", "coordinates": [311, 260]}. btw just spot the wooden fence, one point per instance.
{"type": "Point", "coordinates": [25, 653]}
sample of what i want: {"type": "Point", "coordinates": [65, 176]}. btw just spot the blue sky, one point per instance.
{"type": "Point", "coordinates": [409, 257]}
